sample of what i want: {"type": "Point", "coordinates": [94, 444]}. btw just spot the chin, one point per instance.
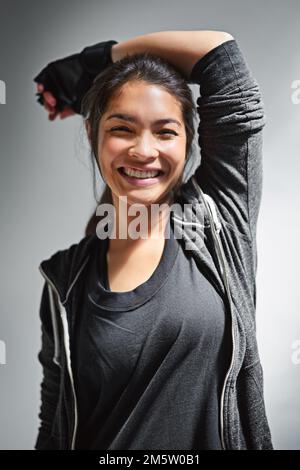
{"type": "Point", "coordinates": [142, 200]}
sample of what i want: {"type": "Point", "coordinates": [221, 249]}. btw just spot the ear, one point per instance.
{"type": "Point", "coordinates": [88, 129]}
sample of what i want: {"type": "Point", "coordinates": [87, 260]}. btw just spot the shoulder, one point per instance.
{"type": "Point", "coordinates": [70, 250]}
{"type": "Point", "coordinates": [62, 267]}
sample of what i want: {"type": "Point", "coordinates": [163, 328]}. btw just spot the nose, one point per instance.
{"type": "Point", "coordinates": [144, 148]}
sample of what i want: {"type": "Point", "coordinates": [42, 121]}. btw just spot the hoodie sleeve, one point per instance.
{"type": "Point", "coordinates": [51, 376]}
{"type": "Point", "coordinates": [232, 117]}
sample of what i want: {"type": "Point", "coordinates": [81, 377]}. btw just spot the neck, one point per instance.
{"type": "Point", "coordinates": [134, 224]}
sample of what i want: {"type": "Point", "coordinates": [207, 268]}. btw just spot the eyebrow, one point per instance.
{"type": "Point", "coordinates": [128, 117]}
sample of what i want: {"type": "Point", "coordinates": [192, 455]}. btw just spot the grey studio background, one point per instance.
{"type": "Point", "coordinates": [46, 181]}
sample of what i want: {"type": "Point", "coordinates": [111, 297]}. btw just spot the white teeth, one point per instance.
{"type": "Point", "coordinates": [140, 174]}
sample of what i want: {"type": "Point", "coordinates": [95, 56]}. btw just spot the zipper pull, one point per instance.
{"type": "Point", "coordinates": [213, 210]}
{"type": "Point", "coordinates": [211, 205]}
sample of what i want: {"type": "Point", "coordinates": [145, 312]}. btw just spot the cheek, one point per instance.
{"type": "Point", "coordinates": [109, 150]}
{"type": "Point", "coordinates": [114, 146]}
{"type": "Point", "coordinates": [176, 150]}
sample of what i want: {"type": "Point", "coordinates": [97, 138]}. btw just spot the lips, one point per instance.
{"type": "Point", "coordinates": [140, 182]}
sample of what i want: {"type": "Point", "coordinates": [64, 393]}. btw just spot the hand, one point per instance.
{"type": "Point", "coordinates": [50, 105]}
{"type": "Point", "coordinates": [63, 83]}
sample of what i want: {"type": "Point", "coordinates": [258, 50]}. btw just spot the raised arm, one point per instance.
{"type": "Point", "coordinates": [182, 49]}
{"type": "Point", "coordinates": [63, 82]}
{"type": "Point", "coordinates": [232, 118]}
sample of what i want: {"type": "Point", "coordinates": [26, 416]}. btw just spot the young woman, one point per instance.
{"type": "Point", "coordinates": [150, 342]}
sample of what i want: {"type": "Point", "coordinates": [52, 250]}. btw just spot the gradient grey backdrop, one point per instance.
{"type": "Point", "coordinates": [46, 181]}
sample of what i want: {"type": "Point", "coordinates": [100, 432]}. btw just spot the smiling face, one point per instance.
{"type": "Point", "coordinates": [136, 140]}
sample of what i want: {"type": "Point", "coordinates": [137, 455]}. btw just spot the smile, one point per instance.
{"type": "Point", "coordinates": [140, 178]}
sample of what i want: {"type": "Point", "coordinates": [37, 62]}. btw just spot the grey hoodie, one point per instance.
{"type": "Point", "coordinates": [223, 197]}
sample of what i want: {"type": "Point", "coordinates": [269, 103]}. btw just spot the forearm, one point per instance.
{"type": "Point", "coordinates": [180, 48]}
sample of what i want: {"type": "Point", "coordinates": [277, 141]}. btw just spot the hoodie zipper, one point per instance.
{"type": "Point", "coordinates": [216, 227]}
{"type": "Point", "coordinates": [67, 350]}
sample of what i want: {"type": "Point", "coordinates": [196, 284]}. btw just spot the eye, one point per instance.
{"type": "Point", "coordinates": [168, 131]}
{"type": "Point", "coordinates": [120, 128]}
{"type": "Point", "coordinates": [162, 132]}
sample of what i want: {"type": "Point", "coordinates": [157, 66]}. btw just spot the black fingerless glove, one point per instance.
{"type": "Point", "coordinates": [70, 78]}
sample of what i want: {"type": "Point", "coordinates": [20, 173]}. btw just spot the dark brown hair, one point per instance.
{"type": "Point", "coordinates": [145, 67]}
